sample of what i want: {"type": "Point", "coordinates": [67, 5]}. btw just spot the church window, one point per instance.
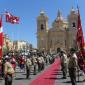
{"type": "Point", "coordinates": [42, 27]}
{"type": "Point", "coordinates": [73, 24]}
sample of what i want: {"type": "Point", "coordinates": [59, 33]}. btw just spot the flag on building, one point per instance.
{"type": "Point", "coordinates": [11, 18]}
{"type": "Point", "coordinates": [1, 37]}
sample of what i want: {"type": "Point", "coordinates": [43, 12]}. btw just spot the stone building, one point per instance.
{"type": "Point", "coordinates": [21, 45]}
{"type": "Point", "coordinates": [8, 43]}
{"type": "Point", "coordinates": [61, 35]}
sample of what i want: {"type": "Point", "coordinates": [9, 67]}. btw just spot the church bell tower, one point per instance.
{"type": "Point", "coordinates": [72, 28]}
{"type": "Point", "coordinates": [42, 31]}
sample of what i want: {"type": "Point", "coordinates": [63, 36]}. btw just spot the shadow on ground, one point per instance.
{"type": "Point", "coordinates": [76, 81]}
{"type": "Point", "coordinates": [57, 73]}
{"type": "Point", "coordinates": [53, 78]}
{"type": "Point", "coordinates": [21, 78]}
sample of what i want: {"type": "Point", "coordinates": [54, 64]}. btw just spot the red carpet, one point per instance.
{"type": "Point", "coordinates": [46, 78]}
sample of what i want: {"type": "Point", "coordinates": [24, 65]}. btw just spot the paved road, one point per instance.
{"type": "Point", "coordinates": [20, 78]}
{"type": "Point", "coordinates": [60, 81]}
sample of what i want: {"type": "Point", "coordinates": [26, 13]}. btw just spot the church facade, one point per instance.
{"type": "Point", "coordinates": [61, 35]}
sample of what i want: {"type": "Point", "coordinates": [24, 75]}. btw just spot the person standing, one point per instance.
{"type": "Point", "coordinates": [34, 62]}
{"type": "Point", "coordinates": [22, 63]}
{"type": "Point", "coordinates": [72, 66]}
{"type": "Point", "coordinates": [9, 72]}
{"type": "Point", "coordinates": [28, 67]}
{"type": "Point", "coordinates": [40, 63]}
{"type": "Point", "coordinates": [64, 61]}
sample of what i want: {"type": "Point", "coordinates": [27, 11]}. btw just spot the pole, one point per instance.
{"type": "Point", "coordinates": [1, 37]}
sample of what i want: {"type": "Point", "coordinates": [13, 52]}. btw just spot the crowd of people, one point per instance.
{"type": "Point", "coordinates": [36, 62]}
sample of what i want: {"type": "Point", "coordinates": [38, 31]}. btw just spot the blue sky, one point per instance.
{"type": "Point", "coordinates": [28, 10]}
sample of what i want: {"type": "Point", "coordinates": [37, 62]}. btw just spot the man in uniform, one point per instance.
{"type": "Point", "coordinates": [64, 62]}
{"type": "Point", "coordinates": [9, 72]}
{"type": "Point", "coordinates": [28, 67]}
{"type": "Point", "coordinates": [34, 62]}
{"type": "Point", "coordinates": [72, 66]}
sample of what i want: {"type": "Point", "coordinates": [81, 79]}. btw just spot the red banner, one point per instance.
{"type": "Point", "coordinates": [80, 37]}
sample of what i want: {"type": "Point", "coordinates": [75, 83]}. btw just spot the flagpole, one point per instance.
{"type": "Point", "coordinates": [1, 37]}
{"type": "Point", "coordinates": [77, 42]}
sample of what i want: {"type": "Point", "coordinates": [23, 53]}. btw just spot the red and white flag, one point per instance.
{"type": "Point", "coordinates": [11, 19]}
{"type": "Point", "coordinates": [1, 37]}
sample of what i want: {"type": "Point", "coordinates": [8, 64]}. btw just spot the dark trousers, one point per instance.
{"type": "Point", "coordinates": [3, 70]}
{"type": "Point", "coordinates": [72, 74]}
{"type": "Point", "coordinates": [64, 69]}
{"type": "Point", "coordinates": [35, 69]}
{"type": "Point", "coordinates": [39, 67]}
{"type": "Point", "coordinates": [8, 79]}
{"type": "Point", "coordinates": [27, 72]}
{"type": "Point", "coordinates": [42, 66]}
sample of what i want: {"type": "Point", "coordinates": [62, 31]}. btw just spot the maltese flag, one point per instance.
{"type": "Point", "coordinates": [11, 19]}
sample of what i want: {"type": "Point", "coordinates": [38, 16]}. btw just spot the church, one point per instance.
{"type": "Point", "coordinates": [62, 33]}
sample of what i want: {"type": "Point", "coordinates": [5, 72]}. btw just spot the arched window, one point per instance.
{"type": "Point", "coordinates": [42, 27]}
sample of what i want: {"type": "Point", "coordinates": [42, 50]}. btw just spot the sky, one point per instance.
{"type": "Point", "coordinates": [29, 10]}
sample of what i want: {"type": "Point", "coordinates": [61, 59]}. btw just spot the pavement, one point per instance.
{"type": "Point", "coordinates": [20, 78]}
{"type": "Point", "coordinates": [60, 81]}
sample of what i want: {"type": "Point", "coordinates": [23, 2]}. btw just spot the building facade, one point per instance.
{"type": "Point", "coordinates": [61, 35]}
{"type": "Point", "coordinates": [21, 45]}
{"type": "Point", "coordinates": [14, 45]}
{"type": "Point", "coordinates": [8, 43]}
